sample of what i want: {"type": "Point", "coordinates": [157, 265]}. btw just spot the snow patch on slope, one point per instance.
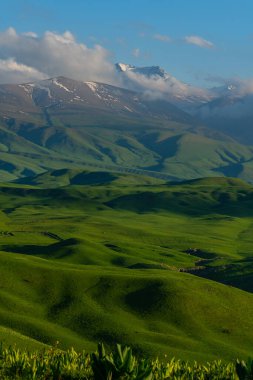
{"type": "Point", "coordinates": [93, 86]}
{"type": "Point", "coordinates": [128, 109]}
{"type": "Point", "coordinates": [27, 88]}
{"type": "Point", "coordinates": [54, 81]}
{"type": "Point", "coordinates": [43, 86]}
{"type": "Point", "coordinates": [124, 67]}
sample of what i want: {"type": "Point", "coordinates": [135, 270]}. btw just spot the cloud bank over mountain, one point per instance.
{"type": "Point", "coordinates": [13, 72]}
{"type": "Point", "coordinates": [27, 57]}
{"type": "Point", "coordinates": [155, 82]}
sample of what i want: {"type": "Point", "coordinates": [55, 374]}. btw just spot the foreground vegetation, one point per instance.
{"type": "Point", "coordinates": [118, 364]}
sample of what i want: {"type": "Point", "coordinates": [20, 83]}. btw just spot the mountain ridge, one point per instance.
{"type": "Point", "coordinates": [226, 108]}
{"type": "Point", "coordinates": [60, 122]}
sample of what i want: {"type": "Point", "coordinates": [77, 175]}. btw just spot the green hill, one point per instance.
{"type": "Point", "coordinates": [127, 259]}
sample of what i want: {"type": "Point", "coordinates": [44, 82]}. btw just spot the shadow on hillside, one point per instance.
{"type": "Point", "coordinates": [189, 201]}
{"type": "Point", "coordinates": [56, 250]}
{"type": "Point", "coordinates": [238, 274]}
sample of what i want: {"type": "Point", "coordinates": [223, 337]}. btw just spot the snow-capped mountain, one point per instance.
{"type": "Point", "coordinates": [149, 71]}
{"type": "Point", "coordinates": [227, 108]}
{"type": "Point", "coordinates": [144, 96]}
{"type": "Point", "coordinates": [70, 95]}
{"type": "Point", "coordinates": [227, 90]}
{"type": "Point", "coordinates": [230, 111]}
{"type": "Point", "coordinates": [156, 82]}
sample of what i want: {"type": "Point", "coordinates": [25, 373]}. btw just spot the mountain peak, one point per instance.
{"type": "Point", "coordinates": [124, 67]}
{"type": "Point", "coordinates": [148, 71]}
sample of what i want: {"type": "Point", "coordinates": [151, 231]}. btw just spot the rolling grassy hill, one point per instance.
{"type": "Point", "coordinates": [88, 256]}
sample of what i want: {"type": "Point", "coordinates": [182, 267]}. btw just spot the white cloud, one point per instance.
{"type": "Point", "coordinates": [162, 37]}
{"type": "Point", "coordinates": [198, 41]}
{"type": "Point", "coordinates": [11, 32]}
{"type": "Point", "coordinates": [27, 57]}
{"type": "Point", "coordinates": [168, 88]}
{"type": "Point", "coordinates": [13, 72]}
{"type": "Point", "coordinates": [52, 55]}
{"type": "Point", "coordinates": [136, 52]}
{"type": "Point", "coordinates": [30, 34]}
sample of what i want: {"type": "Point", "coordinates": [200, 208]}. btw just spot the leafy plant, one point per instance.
{"type": "Point", "coordinates": [244, 370]}
{"type": "Point", "coordinates": [120, 364]}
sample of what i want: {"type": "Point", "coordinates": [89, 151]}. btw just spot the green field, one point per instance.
{"type": "Point", "coordinates": [162, 267]}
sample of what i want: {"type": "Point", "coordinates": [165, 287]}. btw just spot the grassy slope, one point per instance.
{"type": "Point", "coordinates": [181, 150]}
{"type": "Point", "coordinates": [101, 261]}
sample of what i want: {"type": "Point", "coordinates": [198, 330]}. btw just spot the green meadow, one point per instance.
{"type": "Point", "coordinates": [165, 268]}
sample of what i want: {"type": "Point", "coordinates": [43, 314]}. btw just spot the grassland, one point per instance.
{"type": "Point", "coordinates": [88, 257]}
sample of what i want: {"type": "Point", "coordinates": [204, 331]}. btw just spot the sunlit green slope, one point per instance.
{"type": "Point", "coordinates": [108, 260]}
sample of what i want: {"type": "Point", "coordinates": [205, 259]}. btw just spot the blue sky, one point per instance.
{"type": "Point", "coordinates": [194, 40]}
